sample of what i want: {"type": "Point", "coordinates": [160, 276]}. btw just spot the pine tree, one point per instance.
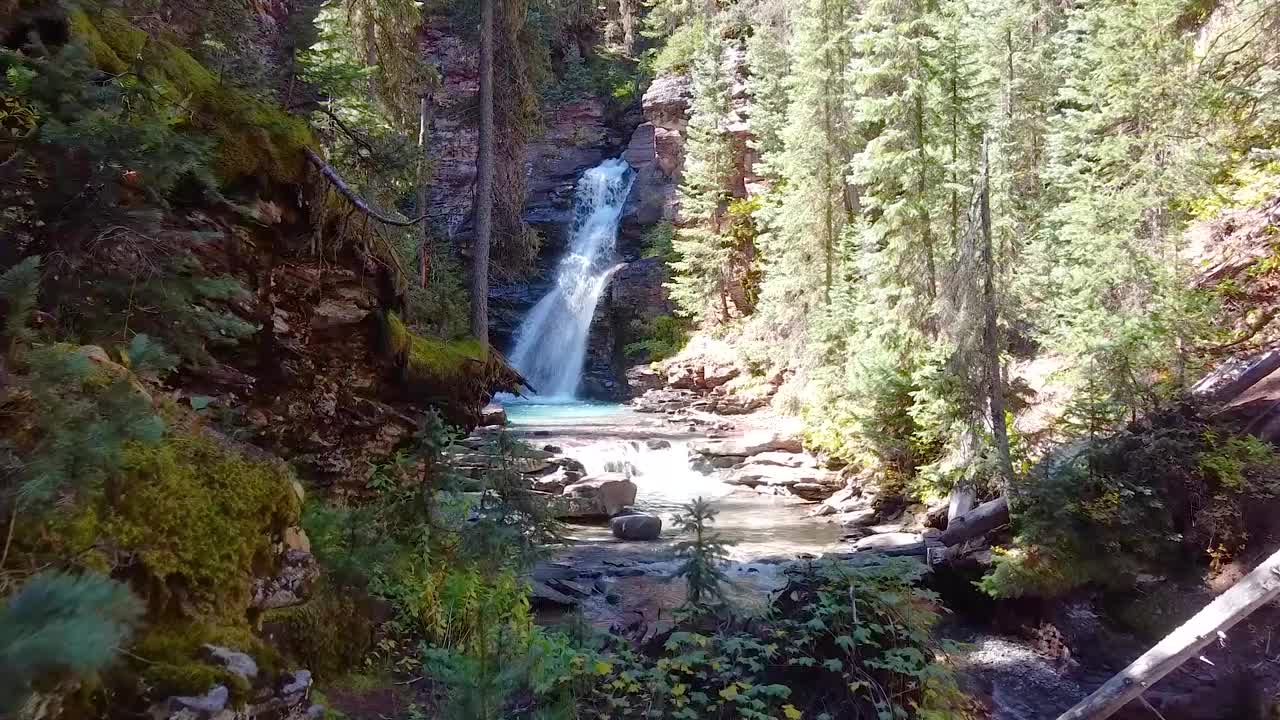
{"type": "Point", "coordinates": [806, 217]}
{"type": "Point", "coordinates": [703, 252]}
{"type": "Point", "coordinates": [901, 168]}
{"type": "Point", "coordinates": [768, 62]}
{"type": "Point", "coordinates": [701, 558]}
{"type": "Point", "coordinates": [59, 626]}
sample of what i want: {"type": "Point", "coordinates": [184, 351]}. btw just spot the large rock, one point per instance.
{"type": "Point", "coordinates": [666, 102]}
{"type": "Point", "coordinates": [598, 496]}
{"type": "Point", "coordinates": [493, 415]}
{"type": "Point", "coordinates": [752, 443]}
{"type": "Point", "coordinates": [636, 527]}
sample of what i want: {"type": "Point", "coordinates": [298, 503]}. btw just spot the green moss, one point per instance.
{"type": "Point", "coordinates": [170, 664]}
{"type": "Point", "coordinates": [200, 514]}
{"type": "Point", "coordinates": [306, 632]}
{"type": "Point", "coordinates": [104, 56]}
{"type": "Point", "coordinates": [433, 359]}
{"type": "Point", "coordinates": [255, 138]}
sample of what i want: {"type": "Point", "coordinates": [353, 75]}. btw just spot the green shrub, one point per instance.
{"type": "Point", "coordinates": [845, 637]}
{"type": "Point", "coordinates": [1150, 498]}
{"type": "Point", "coordinates": [664, 338]}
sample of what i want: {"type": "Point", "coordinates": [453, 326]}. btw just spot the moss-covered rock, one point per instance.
{"type": "Point", "coordinates": [429, 359]}
{"type": "Point", "coordinates": [200, 516]}
{"type": "Point", "coordinates": [254, 137]}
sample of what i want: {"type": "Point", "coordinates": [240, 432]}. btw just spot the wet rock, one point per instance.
{"type": "Point", "coordinates": [657, 444]}
{"type": "Point", "coordinates": [541, 594]}
{"type": "Point", "coordinates": [752, 443]}
{"type": "Point", "coordinates": [493, 415]}
{"type": "Point", "coordinates": [236, 662]}
{"type": "Point", "coordinates": [636, 527]}
{"type": "Point", "coordinates": [552, 449]}
{"type": "Point", "coordinates": [599, 496]}
{"type": "Point", "coordinates": [783, 459]}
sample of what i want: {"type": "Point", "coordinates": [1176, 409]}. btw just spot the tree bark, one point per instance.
{"type": "Point", "coordinates": [1250, 593]}
{"type": "Point", "coordinates": [484, 183]}
{"type": "Point", "coordinates": [979, 521]}
{"type": "Point", "coordinates": [991, 328]}
{"type": "Point", "coordinates": [425, 117]}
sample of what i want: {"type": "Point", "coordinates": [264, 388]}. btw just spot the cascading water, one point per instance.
{"type": "Point", "coordinates": [551, 344]}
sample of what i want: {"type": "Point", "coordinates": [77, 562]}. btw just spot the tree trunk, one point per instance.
{"type": "Point", "coordinates": [425, 117]}
{"type": "Point", "coordinates": [484, 184]}
{"type": "Point", "coordinates": [991, 329]}
{"type": "Point", "coordinates": [1252, 592]}
{"type": "Point", "coordinates": [979, 521]}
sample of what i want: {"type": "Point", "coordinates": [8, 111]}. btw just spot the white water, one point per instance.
{"type": "Point", "coordinates": [551, 344]}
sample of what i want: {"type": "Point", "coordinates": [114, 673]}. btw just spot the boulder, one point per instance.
{"type": "Point", "coordinates": [235, 662]}
{"type": "Point", "coordinates": [666, 102]}
{"type": "Point", "coordinates": [598, 496]}
{"type": "Point", "coordinates": [657, 444]}
{"type": "Point", "coordinates": [636, 527]}
{"type": "Point", "coordinates": [333, 313]}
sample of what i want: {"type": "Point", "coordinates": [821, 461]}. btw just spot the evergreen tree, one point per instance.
{"type": "Point", "coordinates": [806, 217]}
{"type": "Point", "coordinates": [768, 62]}
{"type": "Point", "coordinates": [702, 557]}
{"type": "Point", "coordinates": [702, 249]}
{"type": "Point", "coordinates": [59, 626]}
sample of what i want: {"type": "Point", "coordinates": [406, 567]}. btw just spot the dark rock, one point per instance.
{"type": "Point", "coordinates": [657, 444]}
{"type": "Point", "coordinates": [636, 527]}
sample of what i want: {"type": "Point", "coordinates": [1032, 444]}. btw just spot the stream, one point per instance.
{"type": "Point", "coordinates": [626, 587]}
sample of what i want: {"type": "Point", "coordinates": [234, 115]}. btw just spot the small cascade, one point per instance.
{"type": "Point", "coordinates": [551, 344]}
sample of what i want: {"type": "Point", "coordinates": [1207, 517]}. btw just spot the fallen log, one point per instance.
{"type": "Point", "coordinates": [1251, 592]}
{"type": "Point", "coordinates": [979, 521]}
{"type": "Point", "coordinates": [345, 190]}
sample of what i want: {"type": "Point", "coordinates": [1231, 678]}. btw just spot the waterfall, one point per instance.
{"type": "Point", "coordinates": [551, 344]}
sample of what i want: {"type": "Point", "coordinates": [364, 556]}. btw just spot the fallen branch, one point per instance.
{"type": "Point", "coordinates": [1252, 592]}
{"type": "Point", "coordinates": [352, 134]}
{"type": "Point", "coordinates": [341, 186]}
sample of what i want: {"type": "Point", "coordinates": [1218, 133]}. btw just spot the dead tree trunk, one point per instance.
{"type": "Point", "coordinates": [991, 326]}
{"type": "Point", "coordinates": [484, 184]}
{"type": "Point", "coordinates": [1250, 593]}
{"type": "Point", "coordinates": [979, 521]}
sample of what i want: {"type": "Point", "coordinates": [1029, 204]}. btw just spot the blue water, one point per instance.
{"type": "Point", "coordinates": [521, 411]}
